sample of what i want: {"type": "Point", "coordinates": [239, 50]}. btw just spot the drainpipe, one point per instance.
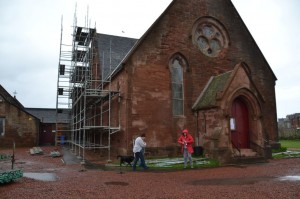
{"type": "Point", "coordinates": [13, 156]}
{"type": "Point", "coordinates": [197, 127]}
{"type": "Point", "coordinates": [204, 116]}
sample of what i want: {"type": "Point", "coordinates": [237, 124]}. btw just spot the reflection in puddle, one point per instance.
{"type": "Point", "coordinates": [230, 181]}
{"type": "Point", "coordinates": [41, 176]}
{"type": "Point", "coordinates": [117, 183]}
{"type": "Point", "coordinates": [292, 178]}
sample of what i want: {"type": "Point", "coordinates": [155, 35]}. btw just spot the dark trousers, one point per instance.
{"type": "Point", "coordinates": [139, 156]}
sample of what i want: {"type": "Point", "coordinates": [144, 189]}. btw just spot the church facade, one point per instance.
{"type": "Point", "coordinates": [197, 68]}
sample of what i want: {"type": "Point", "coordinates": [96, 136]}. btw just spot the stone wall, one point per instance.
{"type": "Point", "coordinates": [20, 127]}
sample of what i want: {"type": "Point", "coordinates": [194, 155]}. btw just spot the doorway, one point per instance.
{"type": "Point", "coordinates": [47, 137]}
{"type": "Point", "coordinates": [240, 128]}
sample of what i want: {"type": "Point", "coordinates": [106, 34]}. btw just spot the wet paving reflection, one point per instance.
{"type": "Point", "coordinates": [241, 181]}
{"type": "Point", "coordinates": [41, 176]}
{"type": "Point", "coordinates": [230, 181]}
{"type": "Point", "coordinates": [290, 178]}
{"type": "Point", "coordinates": [117, 183]}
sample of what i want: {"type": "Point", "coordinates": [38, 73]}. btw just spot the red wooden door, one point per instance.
{"type": "Point", "coordinates": [240, 135]}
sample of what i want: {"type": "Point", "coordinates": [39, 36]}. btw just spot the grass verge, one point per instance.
{"type": "Point", "coordinates": [283, 152]}
{"type": "Point", "coordinates": [173, 164]}
{"type": "Point", "coordinates": [290, 143]}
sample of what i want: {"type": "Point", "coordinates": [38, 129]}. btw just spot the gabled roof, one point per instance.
{"type": "Point", "coordinates": [217, 86]}
{"type": "Point", "coordinates": [136, 45]}
{"type": "Point", "coordinates": [121, 63]}
{"type": "Point", "coordinates": [253, 40]}
{"type": "Point", "coordinates": [13, 101]}
{"type": "Point", "coordinates": [112, 50]}
{"type": "Point", "coordinates": [8, 98]}
{"type": "Point", "coordinates": [207, 98]}
{"type": "Point", "coordinates": [48, 115]}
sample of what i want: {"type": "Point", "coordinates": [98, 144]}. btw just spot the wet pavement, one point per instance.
{"type": "Point", "coordinates": [68, 157]}
{"type": "Point", "coordinates": [41, 176]}
{"type": "Point", "coordinates": [54, 177]}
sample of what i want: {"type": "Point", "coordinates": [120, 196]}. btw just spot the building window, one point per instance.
{"type": "Point", "coordinates": [177, 86]}
{"type": "Point", "coordinates": [2, 126]}
{"type": "Point", "coordinates": [210, 36]}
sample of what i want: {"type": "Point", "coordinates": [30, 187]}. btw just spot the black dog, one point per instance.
{"type": "Point", "coordinates": [127, 159]}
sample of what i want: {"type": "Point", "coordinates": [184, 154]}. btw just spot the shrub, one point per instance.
{"type": "Point", "coordinates": [281, 149]}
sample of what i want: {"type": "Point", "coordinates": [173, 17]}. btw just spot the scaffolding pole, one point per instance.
{"type": "Point", "coordinates": [82, 90]}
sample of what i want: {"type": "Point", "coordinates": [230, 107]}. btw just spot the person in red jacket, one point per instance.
{"type": "Point", "coordinates": [186, 141]}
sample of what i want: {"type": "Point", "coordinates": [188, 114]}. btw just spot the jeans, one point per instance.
{"type": "Point", "coordinates": [186, 156]}
{"type": "Point", "coordinates": [139, 156]}
{"type": "Point", "coordinates": [140, 162]}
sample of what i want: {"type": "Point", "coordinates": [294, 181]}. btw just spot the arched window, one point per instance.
{"type": "Point", "coordinates": [176, 68]}
{"type": "Point", "coordinates": [2, 126]}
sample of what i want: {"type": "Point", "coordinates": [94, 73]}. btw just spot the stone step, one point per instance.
{"type": "Point", "coordinates": [36, 151]}
{"type": "Point", "coordinates": [247, 156]}
{"type": "Point", "coordinates": [245, 153]}
{"type": "Point", "coordinates": [248, 153]}
{"type": "Point", "coordinates": [248, 160]}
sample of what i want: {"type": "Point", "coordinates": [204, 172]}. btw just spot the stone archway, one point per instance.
{"type": "Point", "coordinates": [247, 120]}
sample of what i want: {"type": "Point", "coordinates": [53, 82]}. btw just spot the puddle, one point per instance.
{"type": "Point", "coordinates": [117, 183]}
{"type": "Point", "coordinates": [41, 176]}
{"type": "Point", "coordinates": [230, 181]}
{"type": "Point", "coordinates": [240, 181]}
{"type": "Point", "coordinates": [290, 178]}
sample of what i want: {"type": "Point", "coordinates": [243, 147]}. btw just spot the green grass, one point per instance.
{"type": "Point", "coordinates": [284, 153]}
{"type": "Point", "coordinates": [281, 149]}
{"type": "Point", "coordinates": [198, 163]}
{"type": "Point", "coordinates": [173, 164]}
{"type": "Point", "coordinates": [159, 164]}
{"type": "Point", "coordinates": [290, 143]}
{"type": "Point", "coordinates": [282, 156]}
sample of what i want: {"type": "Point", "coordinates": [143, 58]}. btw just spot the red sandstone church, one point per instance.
{"type": "Point", "coordinates": [196, 67]}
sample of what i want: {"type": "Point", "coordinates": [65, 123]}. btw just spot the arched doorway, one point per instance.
{"type": "Point", "coordinates": [240, 119]}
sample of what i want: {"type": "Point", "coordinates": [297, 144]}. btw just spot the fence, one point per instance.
{"type": "Point", "coordinates": [290, 134]}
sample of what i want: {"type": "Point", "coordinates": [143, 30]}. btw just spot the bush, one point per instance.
{"type": "Point", "coordinates": [281, 149]}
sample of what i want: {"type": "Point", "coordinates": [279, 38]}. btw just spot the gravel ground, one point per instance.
{"type": "Point", "coordinates": [275, 179]}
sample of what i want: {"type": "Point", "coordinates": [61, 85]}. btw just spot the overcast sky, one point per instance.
{"type": "Point", "coordinates": [30, 40]}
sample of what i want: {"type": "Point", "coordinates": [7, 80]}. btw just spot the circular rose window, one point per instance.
{"type": "Point", "coordinates": [209, 36]}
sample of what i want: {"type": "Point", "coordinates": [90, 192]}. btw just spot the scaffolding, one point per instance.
{"type": "Point", "coordinates": [63, 101]}
{"type": "Point", "coordinates": [88, 96]}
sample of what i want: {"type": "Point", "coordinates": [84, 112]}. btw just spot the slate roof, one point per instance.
{"type": "Point", "coordinates": [112, 50]}
{"type": "Point", "coordinates": [48, 115]}
{"type": "Point", "coordinates": [207, 98]}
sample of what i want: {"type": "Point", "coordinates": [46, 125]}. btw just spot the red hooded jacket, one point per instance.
{"type": "Point", "coordinates": [188, 140]}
